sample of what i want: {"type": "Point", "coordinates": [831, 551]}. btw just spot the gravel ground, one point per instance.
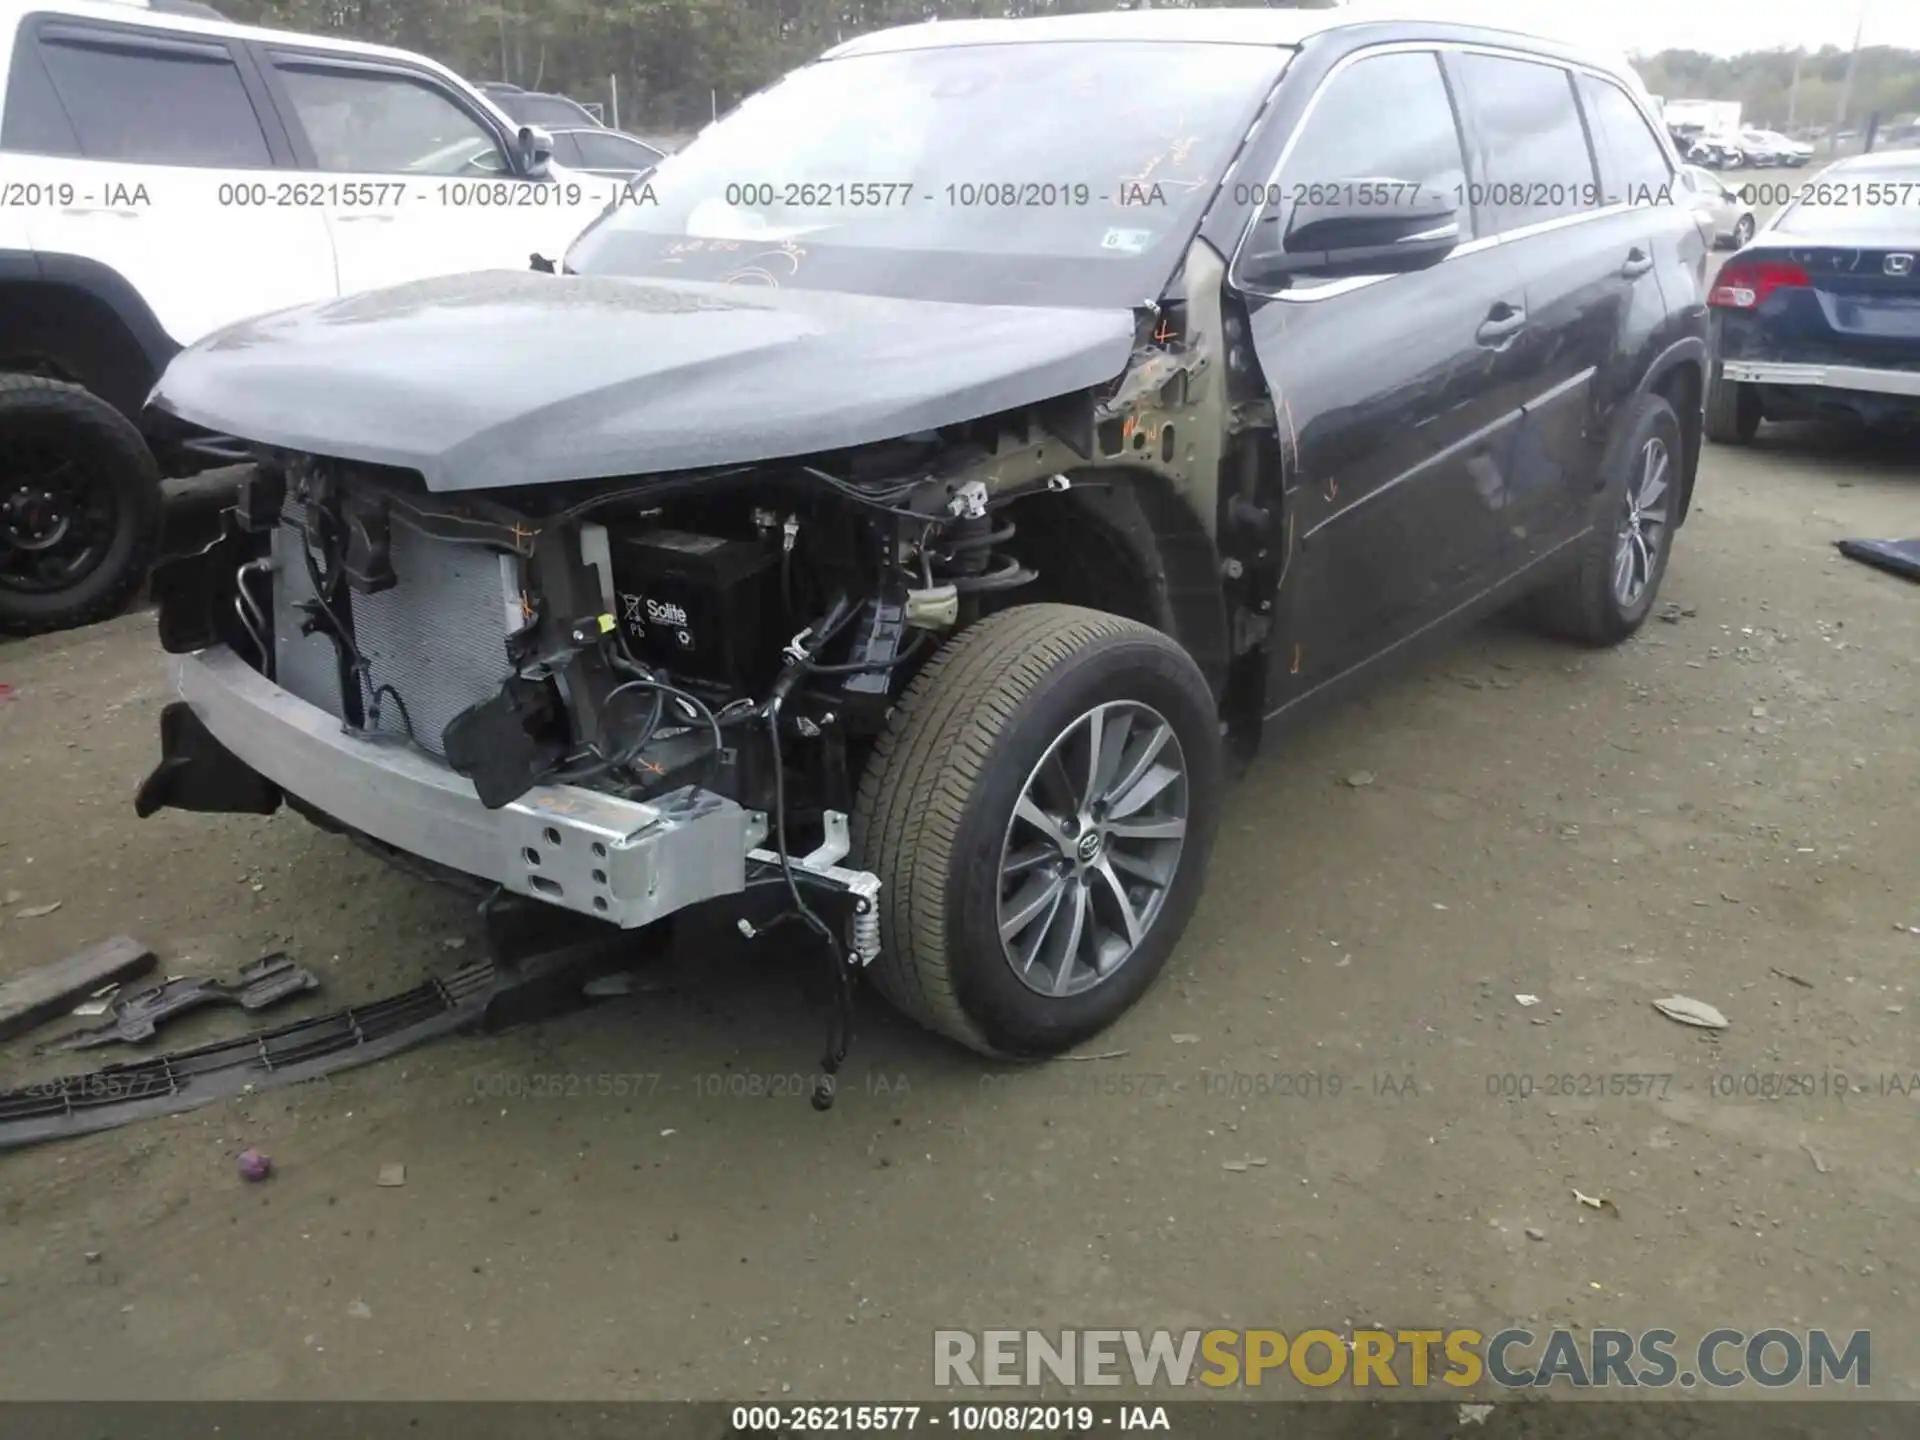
{"type": "Point", "coordinates": [1724, 808]}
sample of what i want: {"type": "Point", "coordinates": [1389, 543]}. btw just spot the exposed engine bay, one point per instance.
{"type": "Point", "coordinates": [637, 642]}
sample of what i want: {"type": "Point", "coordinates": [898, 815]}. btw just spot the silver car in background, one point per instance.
{"type": "Point", "coordinates": [1715, 201]}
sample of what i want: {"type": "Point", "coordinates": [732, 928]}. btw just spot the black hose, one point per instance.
{"type": "Point", "coordinates": [840, 1025]}
{"type": "Point", "coordinates": [324, 588]}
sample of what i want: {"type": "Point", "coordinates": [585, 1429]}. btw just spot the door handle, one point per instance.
{"type": "Point", "coordinates": [1638, 263]}
{"type": "Point", "coordinates": [1503, 322]}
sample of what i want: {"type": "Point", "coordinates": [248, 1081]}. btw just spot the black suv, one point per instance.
{"type": "Point", "coordinates": [906, 540]}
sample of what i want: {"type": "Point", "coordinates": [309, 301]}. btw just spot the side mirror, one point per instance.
{"type": "Point", "coordinates": [1355, 227]}
{"type": "Point", "coordinates": [533, 147]}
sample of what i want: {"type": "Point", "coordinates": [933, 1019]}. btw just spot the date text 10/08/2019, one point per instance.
{"type": "Point", "coordinates": [1002, 1419]}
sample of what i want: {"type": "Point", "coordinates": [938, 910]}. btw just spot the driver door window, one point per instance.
{"type": "Point", "coordinates": [1352, 133]}
{"type": "Point", "coordinates": [412, 181]}
{"type": "Point", "coordinates": [376, 122]}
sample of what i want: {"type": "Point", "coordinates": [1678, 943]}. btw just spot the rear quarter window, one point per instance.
{"type": "Point", "coordinates": [1633, 165]}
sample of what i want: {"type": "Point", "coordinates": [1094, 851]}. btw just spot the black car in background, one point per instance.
{"type": "Point", "coordinates": [899, 521]}
{"type": "Point", "coordinates": [1820, 314]}
{"type": "Point", "coordinates": [599, 150]}
{"type": "Point", "coordinates": [538, 107]}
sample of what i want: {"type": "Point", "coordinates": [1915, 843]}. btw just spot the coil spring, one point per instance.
{"type": "Point", "coordinates": [866, 932]}
{"type": "Point", "coordinates": [971, 565]}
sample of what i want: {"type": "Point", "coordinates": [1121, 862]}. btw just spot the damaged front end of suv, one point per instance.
{"type": "Point", "coordinates": [635, 587]}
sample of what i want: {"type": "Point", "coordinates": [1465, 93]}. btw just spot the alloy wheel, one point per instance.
{"type": "Point", "coordinates": [1092, 848]}
{"type": "Point", "coordinates": [1643, 524]}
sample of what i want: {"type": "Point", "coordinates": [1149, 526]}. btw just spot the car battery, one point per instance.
{"type": "Point", "coordinates": [696, 606]}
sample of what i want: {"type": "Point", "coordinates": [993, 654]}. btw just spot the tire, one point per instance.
{"type": "Point", "coordinates": [1743, 232]}
{"type": "Point", "coordinates": [935, 820]}
{"type": "Point", "coordinates": [78, 489]}
{"type": "Point", "coordinates": [1589, 604]}
{"type": "Point", "coordinates": [1732, 410]}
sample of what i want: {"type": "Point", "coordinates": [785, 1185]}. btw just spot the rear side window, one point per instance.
{"type": "Point", "coordinates": [1633, 167]}
{"type": "Point", "coordinates": [154, 102]}
{"type": "Point", "coordinates": [1531, 161]}
{"type": "Point", "coordinates": [34, 122]}
{"type": "Point", "coordinates": [386, 122]}
{"type": "Point", "coordinates": [1350, 134]}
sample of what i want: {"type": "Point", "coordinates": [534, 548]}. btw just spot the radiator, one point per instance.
{"type": "Point", "coordinates": [437, 639]}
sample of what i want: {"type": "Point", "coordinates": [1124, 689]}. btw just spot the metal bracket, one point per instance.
{"type": "Point", "coordinates": [863, 886]}
{"type": "Point", "coordinates": [969, 502]}
{"type": "Point", "coordinates": [837, 845]}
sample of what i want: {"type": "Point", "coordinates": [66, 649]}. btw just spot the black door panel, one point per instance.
{"type": "Point", "coordinates": [1397, 396]}
{"type": "Point", "coordinates": [1590, 321]}
{"type": "Point", "coordinates": [1587, 246]}
{"type": "Point", "coordinates": [1399, 423]}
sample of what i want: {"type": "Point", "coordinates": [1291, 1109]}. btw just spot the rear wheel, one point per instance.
{"type": "Point", "coordinates": [1733, 410]}
{"type": "Point", "coordinates": [80, 507]}
{"type": "Point", "coordinates": [1742, 232]}
{"type": "Point", "coordinates": [1607, 597]}
{"type": "Point", "coordinates": [1040, 812]}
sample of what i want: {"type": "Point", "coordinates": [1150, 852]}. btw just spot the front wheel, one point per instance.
{"type": "Point", "coordinates": [1742, 232]}
{"type": "Point", "coordinates": [1040, 811]}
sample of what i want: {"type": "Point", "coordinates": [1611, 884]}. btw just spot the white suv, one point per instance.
{"type": "Point", "coordinates": [163, 173]}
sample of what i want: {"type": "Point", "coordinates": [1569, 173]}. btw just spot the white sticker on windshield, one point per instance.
{"type": "Point", "coordinates": [1132, 242]}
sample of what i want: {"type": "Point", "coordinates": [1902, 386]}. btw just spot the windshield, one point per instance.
{"type": "Point", "coordinates": [1045, 173]}
{"type": "Point", "coordinates": [1876, 204]}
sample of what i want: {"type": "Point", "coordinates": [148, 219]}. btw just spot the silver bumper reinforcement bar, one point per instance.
{"type": "Point", "coordinates": [624, 861]}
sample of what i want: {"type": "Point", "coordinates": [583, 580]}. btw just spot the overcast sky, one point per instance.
{"type": "Point", "coordinates": [1724, 27]}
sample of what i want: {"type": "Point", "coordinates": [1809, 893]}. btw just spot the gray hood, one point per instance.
{"type": "Point", "coordinates": [514, 378]}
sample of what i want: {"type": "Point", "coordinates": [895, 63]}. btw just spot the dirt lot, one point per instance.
{"type": "Point", "coordinates": [1727, 802]}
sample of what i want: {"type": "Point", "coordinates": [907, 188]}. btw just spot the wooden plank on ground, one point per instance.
{"type": "Point", "coordinates": [26, 1000]}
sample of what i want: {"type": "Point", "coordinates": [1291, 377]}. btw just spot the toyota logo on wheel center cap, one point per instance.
{"type": "Point", "coordinates": [1089, 847]}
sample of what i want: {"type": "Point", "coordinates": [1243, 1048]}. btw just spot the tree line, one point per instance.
{"type": "Point", "coordinates": [1887, 83]}
{"type": "Point", "coordinates": [677, 60]}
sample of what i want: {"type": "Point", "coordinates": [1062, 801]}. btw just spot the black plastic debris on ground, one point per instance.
{"type": "Point", "coordinates": [1897, 557]}
{"type": "Point", "coordinates": [302, 1050]}
{"type": "Point", "coordinates": [135, 1018]}
{"type": "Point", "coordinates": [538, 962]}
